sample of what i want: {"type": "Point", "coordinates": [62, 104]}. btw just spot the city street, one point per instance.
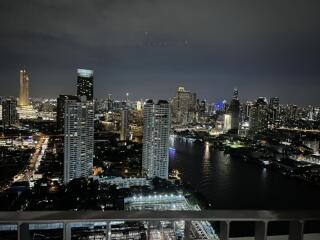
{"type": "Point", "coordinates": [34, 160]}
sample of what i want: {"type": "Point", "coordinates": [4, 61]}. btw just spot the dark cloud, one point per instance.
{"type": "Point", "coordinates": [148, 47]}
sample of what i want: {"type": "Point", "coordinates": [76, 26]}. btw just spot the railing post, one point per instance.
{"type": "Point", "coordinates": [296, 230]}
{"type": "Point", "coordinates": [107, 230]}
{"type": "Point", "coordinates": [148, 233]}
{"type": "Point", "coordinates": [261, 230]}
{"type": "Point", "coordinates": [187, 230]}
{"type": "Point", "coordinates": [224, 230]}
{"type": "Point", "coordinates": [161, 227]}
{"type": "Point", "coordinates": [66, 231]}
{"type": "Point", "coordinates": [23, 231]}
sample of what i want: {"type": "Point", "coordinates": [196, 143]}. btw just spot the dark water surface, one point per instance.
{"type": "Point", "coordinates": [233, 184]}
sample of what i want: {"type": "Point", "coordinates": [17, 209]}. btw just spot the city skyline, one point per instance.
{"type": "Point", "coordinates": [267, 49]}
{"type": "Point", "coordinates": [125, 97]}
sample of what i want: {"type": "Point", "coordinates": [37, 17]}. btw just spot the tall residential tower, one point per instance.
{"type": "Point", "coordinates": [156, 130]}
{"type": "Point", "coordinates": [78, 128]}
{"type": "Point", "coordinates": [78, 138]}
{"type": "Point", "coordinates": [124, 131]}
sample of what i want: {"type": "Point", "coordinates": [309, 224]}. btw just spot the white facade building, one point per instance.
{"type": "Point", "coordinates": [156, 130]}
{"type": "Point", "coordinates": [124, 182]}
{"type": "Point", "coordinates": [78, 138]}
{"type": "Point", "coordinates": [227, 122]}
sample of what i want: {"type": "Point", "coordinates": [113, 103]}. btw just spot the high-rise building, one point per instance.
{"type": "Point", "coordinates": [247, 109]}
{"type": "Point", "coordinates": [25, 109]}
{"type": "Point", "coordinates": [259, 115]}
{"type": "Point", "coordinates": [9, 112]}
{"type": "Point", "coordinates": [234, 111]}
{"type": "Point", "coordinates": [202, 107]}
{"type": "Point", "coordinates": [293, 112]}
{"type": "Point", "coordinates": [24, 89]}
{"type": "Point", "coordinates": [274, 102]}
{"type": "Point", "coordinates": [139, 106]}
{"type": "Point", "coordinates": [85, 83]}
{"type": "Point", "coordinates": [78, 138]}
{"type": "Point", "coordinates": [109, 103]}
{"type": "Point", "coordinates": [61, 110]}
{"type": "Point", "coordinates": [227, 122]}
{"type": "Point", "coordinates": [184, 106]}
{"type": "Point", "coordinates": [156, 130]}
{"type": "Point", "coordinates": [316, 113]}
{"type": "Point", "coordinates": [274, 106]}
{"type": "Point", "coordinates": [124, 131]}
{"type": "Point", "coordinates": [235, 94]}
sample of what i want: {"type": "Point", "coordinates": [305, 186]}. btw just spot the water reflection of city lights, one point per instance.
{"type": "Point", "coordinates": [172, 152]}
{"type": "Point", "coordinates": [207, 151]}
{"type": "Point", "coordinates": [264, 172]}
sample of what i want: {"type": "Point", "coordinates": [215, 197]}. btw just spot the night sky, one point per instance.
{"type": "Point", "coordinates": [150, 47]}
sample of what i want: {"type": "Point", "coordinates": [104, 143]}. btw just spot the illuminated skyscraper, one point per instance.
{"type": "Point", "coordinates": [184, 106]}
{"type": "Point", "coordinates": [78, 138]}
{"type": "Point", "coordinates": [227, 123]}
{"type": "Point", "coordinates": [156, 130]}
{"type": "Point", "coordinates": [85, 83]}
{"type": "Point", "coordinates": [24, 89]}
{"type": "Point", "coordinates": [139, 105]}
{"type": "Point", "coordinates": [124, 132]}
{"type": "Point", "coordinates": [25, 109]}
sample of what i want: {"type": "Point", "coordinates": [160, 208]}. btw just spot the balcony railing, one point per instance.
{"type": "Point", "coordinates": [296, 220]}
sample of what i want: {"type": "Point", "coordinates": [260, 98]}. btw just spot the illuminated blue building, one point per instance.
{"type": "Point", "coordinates": [219, 106]}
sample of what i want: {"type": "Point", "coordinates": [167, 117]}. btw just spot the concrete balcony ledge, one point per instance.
{"type": "Point", "coordinates": [261, 218]}
{"type": "Point", "coordinates": [310, 236]}
{"type": "Point", "coordinates": [207, 215]}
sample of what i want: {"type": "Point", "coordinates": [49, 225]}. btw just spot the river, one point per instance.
{"type": "Point", "coordinates": [229, 183]}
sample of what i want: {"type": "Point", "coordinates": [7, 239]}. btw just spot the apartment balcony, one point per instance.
{"type": "Point", "coordinates": [19, 222]}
